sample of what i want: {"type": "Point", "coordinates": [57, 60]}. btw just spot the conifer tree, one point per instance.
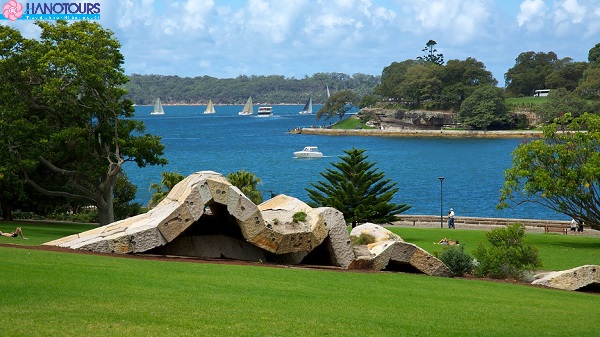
{"type": "Point", "coordinates": [357, 189]}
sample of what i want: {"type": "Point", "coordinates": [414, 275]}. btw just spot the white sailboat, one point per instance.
{"type": "Point", "coordinates": [328, 94]}
{"type": "Point", "coordinates": [158, 108]}
{"type": "Point", "coordinates": [248, 109]}
{"type": "Point", "coordinates": [210, 109]}
{"type": "Point", "coordinates": [307, 110]}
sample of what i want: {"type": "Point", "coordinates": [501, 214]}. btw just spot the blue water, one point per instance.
{"type": "Point", "coordinates": [225, 142]}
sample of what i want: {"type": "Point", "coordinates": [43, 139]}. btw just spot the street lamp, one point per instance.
{"type": "Point", "coordinates": [441, 198]}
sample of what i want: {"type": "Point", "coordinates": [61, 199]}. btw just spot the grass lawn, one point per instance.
{"type": "Point", "coordinates": [526, 100]}
{"type": "Point", "coordinates": [56, 294]}
{"type": "Point", "coordinates": [351, 124]}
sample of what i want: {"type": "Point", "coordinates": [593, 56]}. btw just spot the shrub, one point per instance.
{"type": "Point", "coordinates": [507, 256]}
{"type": "Point", "coordinates": [457, 260]}
{"type": "Point", "coordinates": [362, 239]}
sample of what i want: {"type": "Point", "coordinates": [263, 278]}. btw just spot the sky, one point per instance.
{"type": "Point", "coordinates": [298, 38]}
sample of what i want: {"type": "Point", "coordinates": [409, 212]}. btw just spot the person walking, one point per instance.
{"type": "Point", "coordinates": [451, 219]}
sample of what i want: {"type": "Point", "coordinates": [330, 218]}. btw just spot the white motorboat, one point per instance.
{"type": "Point", "coordinates": [309, 152]}
{"type": "Point", "coordinates": [265, 111]}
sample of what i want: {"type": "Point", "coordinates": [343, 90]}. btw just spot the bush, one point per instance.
{"type": "Point", "coordinates": [457, 260]}
{"type": "Point", "coordinates": [362, 239]}
{"type": "Point", "coordinates": [507, 257]}
{"type": "Point", "coordinates": [299, 217]}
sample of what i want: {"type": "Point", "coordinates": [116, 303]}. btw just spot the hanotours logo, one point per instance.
{"type": "Point", "coordinates": [13, 10]}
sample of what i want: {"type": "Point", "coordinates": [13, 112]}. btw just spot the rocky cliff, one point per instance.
{"type": "Point", "coordinates": [391, 119]}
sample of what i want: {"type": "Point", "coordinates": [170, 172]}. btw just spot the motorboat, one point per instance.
{"type": "Point", "coordinates": [309, 152]}
{"type": "Point", "coordinates": [265, 111]}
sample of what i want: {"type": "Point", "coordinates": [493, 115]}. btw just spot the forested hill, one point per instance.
{"type": "Point", "coordinates": [273, 89]}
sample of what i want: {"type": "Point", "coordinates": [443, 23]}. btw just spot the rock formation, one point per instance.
{"type": "Point", "coordinates": [390, 119]}
{"type": "Point", "coordinates": [205, 216]}
{"type": "Point", "coordinates": [389, 252]}
{"type": "Point", "coordinates": [578, 278]}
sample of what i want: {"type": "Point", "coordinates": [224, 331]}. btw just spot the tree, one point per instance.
{"type": "Point", "coordinates": [247, 183]}
{"type": "Point", "coordinates": [430, 54]}
{"type": "Point", "coordinates": [391, 77]}
{"type": "Point", "coordinates": [567, 75]}
{"type": "Point", "coordinates": [354, 187]}
{"type": "Point", "coordinates": [77, 126]}
{"type": "Point", "coordinates": [459, 80]}
{"type": "Point", "coordinates": [594, 56]}
{"type": "Point", "coordinates": [484, 108]}
{"type": "Point", "coordinates": [561, 171]}
{"type": "Point", "coordinates": [589, 87]}
{"type": "Point", "coordinates": [168, 181]}
{"type": "Point", "coordinates": [529, 72]}
{"type": "Point", "coordinates": [560, 102]}
{"type": "Point", "coordinates": [338, 104]}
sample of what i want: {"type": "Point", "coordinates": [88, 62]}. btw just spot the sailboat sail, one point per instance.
{"type": "Point", "coordinates": [308, 108]}
{"type": "Point", "coordinates": [248, 109]}
{"type": "Point", "coordinates": [158, 108]}
{"type": "Point", "coordinates": [328, 94]}
{"type": "Point", "coordinates": [210, 109]}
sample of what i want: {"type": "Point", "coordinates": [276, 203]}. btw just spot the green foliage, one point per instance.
{"type": "Point", "coordinates": [337, 105]}
{"type": "Point", "coordinates": [430, 54]}
{"type": "Point", "coordinates": [455, 257]}
{"type": "Point", "coordinates": [561, 101]}
{"type": "Point", "coordinates": [561, 171]}
{"type": "Point", "coordinates": [354, 187]}
{"type": "Point", "coordinates": [299, 217]}
{"type": "Point", "coordinates": [529, 73]}
{"type": "Point", "coordinates": [484, 108]}
{"type": "Point", "coordinates": [368, 101]}
{"type": "Point", "coordinates": [506, 256]}
{"type": "Point", "coordinates": [168, 181]}
{"type": "Point", "coordinates": [351, 124]}
{"type": "Point", "coordinates": [272, 89]}
{"type": "Point", "coordinates": [72, 130]}
{"type": "Point", "coordinates": [247, 183]}
{"type": "Point", "coordinates": [362, 239]}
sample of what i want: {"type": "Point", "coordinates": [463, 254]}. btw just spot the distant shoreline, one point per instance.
{"type": "Point", "coordinates": [422, 133]}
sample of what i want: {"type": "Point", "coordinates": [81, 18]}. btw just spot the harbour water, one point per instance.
{"type": "Point", "coordinates": [225, 142]}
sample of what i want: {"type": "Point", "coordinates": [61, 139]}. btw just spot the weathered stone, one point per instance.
{"type": "Point", "coordinates": [390, 252]}
{"type": "Point", "coordinates": [192, 219]}
{"type": "Point", "coordinates": [390, 119]}
{"type": "Point", "coordinates": [572, 279]}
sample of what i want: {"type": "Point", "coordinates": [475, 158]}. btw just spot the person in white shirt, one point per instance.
{"type": "Point", "coordinates": [451, 219]}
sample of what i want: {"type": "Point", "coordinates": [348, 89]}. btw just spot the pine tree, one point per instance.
{"type": "Point", "coordinates": [357, 189]}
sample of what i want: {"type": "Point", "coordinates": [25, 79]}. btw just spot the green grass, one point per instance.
{"type": "Point", "coordinates": [526, 100]}
{"type": "Point", "coordinates": [351, 124]}
{"type": "Point", "coordinates": [557, 251]}
{"type": "Point", "coordinates": [55, 294]}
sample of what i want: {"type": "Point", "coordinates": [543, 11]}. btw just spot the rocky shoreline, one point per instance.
{"type": "Point", "coordinates": [444, 133]}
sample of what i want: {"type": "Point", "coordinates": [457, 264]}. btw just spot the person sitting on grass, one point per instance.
{"type": "Point", "coordinates": [445, 241]}
{"type": "Point", "coordinates": [14, 234]}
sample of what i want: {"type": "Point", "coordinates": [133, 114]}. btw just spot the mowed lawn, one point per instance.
{"type": "Point", "coordinates": [65, 294]}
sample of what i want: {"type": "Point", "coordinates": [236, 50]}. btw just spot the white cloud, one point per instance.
{"type": "Point", "coordinates": [460, 21]}
{"type": "Point", "coordinates": [532, 13]}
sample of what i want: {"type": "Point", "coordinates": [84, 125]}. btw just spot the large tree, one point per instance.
{"type": "Point", "coordinates": [484, 108]}
{"type": "Point", "coordinates": [338, 104]}
{"type": "Point", "coordinates": [356, 188]}
{"type": "Point", "coordinates": [561, 171]}
{"type": "Point", "coordinates": [529, 72]}
{"type": "Point", "coordinates": [74, 125]}
{"type": "Point", "coordinates": [460, 78]}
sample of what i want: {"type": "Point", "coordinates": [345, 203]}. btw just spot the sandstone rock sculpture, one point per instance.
{"type": "Point", "coordinates": [205, 216]}
{"type": "Point", "coordinates": [389, 252]}
{"type": "Point", "coordinates": [573, 279]}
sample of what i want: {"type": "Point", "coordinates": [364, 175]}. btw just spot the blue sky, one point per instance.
{"type": "Point", "coordinates": [295, 38]}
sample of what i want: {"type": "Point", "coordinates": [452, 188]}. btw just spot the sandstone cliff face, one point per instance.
{"type": "Point", "coordinates": [390, 119]}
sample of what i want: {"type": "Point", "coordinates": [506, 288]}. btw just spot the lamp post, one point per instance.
{"type": "Point", "coordinates": [441, 199]}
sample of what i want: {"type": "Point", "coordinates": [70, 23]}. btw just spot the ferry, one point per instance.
{"type": "Point", "coordinates": [265, 111]}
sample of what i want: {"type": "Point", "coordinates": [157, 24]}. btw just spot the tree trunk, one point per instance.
{"type": "Point", "coordinates": [104, 203]}
{"type": "Point", "coordinates": [6, 210]}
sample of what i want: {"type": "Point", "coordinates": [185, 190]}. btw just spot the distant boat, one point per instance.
{"type": "Point", "coordinates": [265, 111]}
{"type": "Point", "coordinates": [210, 109]}
{"type": "Point", "coordinates": [248, 109]}
{"type": "Point", "coordinates": [309, 152]}
{"type": "Point", "coordinates": [158, 108]}
{"type": "Point", "coordinates": [328, 94]}
{"type": "Point", "coordinates": [307, 110]}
